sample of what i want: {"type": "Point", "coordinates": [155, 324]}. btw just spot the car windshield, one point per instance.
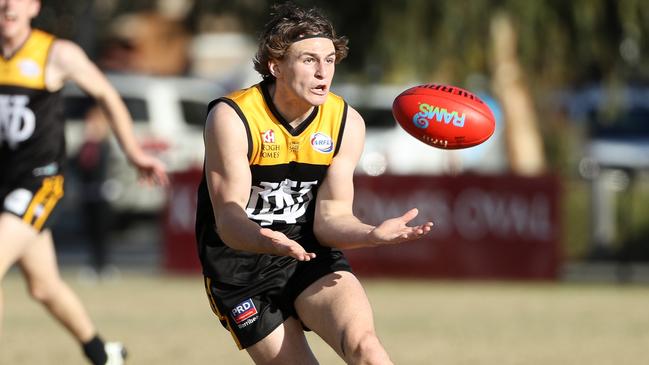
{"type": "Point", "coordinates": [76, 108]}
{"type": "Point", "coordinates": [194, 112]}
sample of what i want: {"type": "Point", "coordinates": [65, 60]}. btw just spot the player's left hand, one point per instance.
{"type": "Point", "coordinates": [284, 246]}
{"type": "Point", "coordinates": [396, 230]}
{"type": "Point", "coordinates": [151, 170]}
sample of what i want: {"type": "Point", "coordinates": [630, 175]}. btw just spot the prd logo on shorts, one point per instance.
{"type": "Point", "coordinates": [243, 311]}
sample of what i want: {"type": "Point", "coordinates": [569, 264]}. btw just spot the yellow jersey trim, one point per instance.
{"type": "Point", "coordinates": [26, 68]}
{"type": "Point", "coordinates": [272, 143]}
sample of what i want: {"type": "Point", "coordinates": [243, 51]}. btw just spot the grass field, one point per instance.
{"type": "Point", "coordinates": [167, 320]}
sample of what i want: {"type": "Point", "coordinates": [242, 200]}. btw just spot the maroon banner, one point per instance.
{"type": "Point", "coordinates": [486, 227]}
{"type": "Point", "coordinates": [180, 254]}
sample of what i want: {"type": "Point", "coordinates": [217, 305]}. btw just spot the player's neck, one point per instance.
{"type": "Point", "coordinates": [293, 109]}
{"type": "Point", "coordinates": [10, 44]}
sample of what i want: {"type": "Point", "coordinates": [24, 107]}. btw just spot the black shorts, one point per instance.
{"type": "Point", "coordinates": [33, 199]}
{"type": "Point", "coordinates": [253, 311]}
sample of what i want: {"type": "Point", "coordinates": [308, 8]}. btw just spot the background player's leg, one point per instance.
{"type": "Point", "coordinates": [15, 236]}
{"type": "Point", "coordinates": [285, 345]}
{"type": "Point", "coordinates": [337, 309]}
{"type": "Point", "coordinates": [39, 266]}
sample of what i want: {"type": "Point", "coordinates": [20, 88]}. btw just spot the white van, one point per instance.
{"type": "Point", "coordinates": [168, 115]}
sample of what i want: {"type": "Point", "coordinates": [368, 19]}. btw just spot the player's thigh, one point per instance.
{"type": "Point", "coordinates": [15, 238]}
{"type": "Point", "coordinates": [38, 263]}
{"type": "Point", "coordinates": [26, 212]}
{"type": "Point", "coordinates": [285, 345]}
{"type": "Point", "coordinates": [336, 308]}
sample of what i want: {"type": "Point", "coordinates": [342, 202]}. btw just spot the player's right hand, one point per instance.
{"type": "Point", "coordinates": [151, 170]}
{"type": "Point", "coordinates": [284, 246]}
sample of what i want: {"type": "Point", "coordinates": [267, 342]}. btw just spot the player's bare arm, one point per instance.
{"type": "Point", "coordinates": [69, 62]}
{"type": "Point", "coordinates": [229, 181]}
{"type": "Point", "coordinates": [335, 224]}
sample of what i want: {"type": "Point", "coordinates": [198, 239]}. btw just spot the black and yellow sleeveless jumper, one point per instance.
{"type": "Point", "coordinates": [31, 117]}
{"type": "Point", "coordinates": [287, 166]}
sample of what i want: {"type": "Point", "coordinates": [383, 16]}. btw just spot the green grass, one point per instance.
{"type": "Point", "coordinates": [167, 320]}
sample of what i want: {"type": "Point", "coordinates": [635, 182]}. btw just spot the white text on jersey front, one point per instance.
{"type": "Point", "coordinates": [283, 202]}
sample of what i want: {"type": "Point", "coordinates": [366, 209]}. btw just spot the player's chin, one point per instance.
{"type": "Point", "coordinates": [317, 97]}
{"type": "Point", "coordinates": [316, 101]}
{"type": "Point", "coordinates": [6, 30]}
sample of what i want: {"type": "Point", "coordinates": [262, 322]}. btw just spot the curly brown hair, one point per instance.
{"type": "Point", "coordinates": [289, 23]}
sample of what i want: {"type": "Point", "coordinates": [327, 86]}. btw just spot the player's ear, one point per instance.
{"type": "Point", "coordinates": [273, 67]}
{"type": "Point", "coordinates": [34, 8]}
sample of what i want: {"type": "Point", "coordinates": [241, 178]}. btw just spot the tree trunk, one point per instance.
{"type": "Point", "coordinates": [522, 136]}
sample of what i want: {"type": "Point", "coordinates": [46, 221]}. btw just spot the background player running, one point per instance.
{"type": "Point", "coordinates": [33, 68]}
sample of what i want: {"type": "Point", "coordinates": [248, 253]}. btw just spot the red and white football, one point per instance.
{"type": "Point", "coordinates": [444, 116]}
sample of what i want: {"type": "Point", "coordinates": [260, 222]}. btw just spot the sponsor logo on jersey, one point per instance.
{"type": "Point", "coordinates": [294, 146]}
{"type": "Point", "coordinates": [268, 136]}
{"type": "Point", "coordinates": [244, 311]}
{"type": "Point", "coordinates": [285, 201]}
{"type": "Point", "coordinates": [17, 121]}
{"type": "Point", "coordinates": [322, 142]}
{"type": "Point", "coordinates": [29, 68]}
{"type": "Point", "coordinates": [269, 149]}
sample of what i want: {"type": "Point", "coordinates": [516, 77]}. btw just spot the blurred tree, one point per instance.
{"type": "Point", "coordinates": [561, 42]}
{"type": "Point", "coordinates": [522, 137]}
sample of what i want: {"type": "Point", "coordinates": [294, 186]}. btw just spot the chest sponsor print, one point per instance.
{"type": "Point", "coordinates": [29, 68]}
{"type": "Point", "coordinates": [268, 136]}
{"type": "Point", "coordinates": [322, 142]}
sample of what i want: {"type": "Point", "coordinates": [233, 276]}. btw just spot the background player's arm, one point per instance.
{"type": "Point", "coordinates": [335, 224]}
{"type": "Point", "coordinates": [69, 62]}
{"type": "Point", "coordinates": [229, 181]}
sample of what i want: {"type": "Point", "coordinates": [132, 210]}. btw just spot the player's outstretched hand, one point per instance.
{"type": "Point", "coordinates": [151, 170]}
{"type": "Point", "coordinates": [285, 246]}
{"type": "Point", "coordinates": [396, 230]}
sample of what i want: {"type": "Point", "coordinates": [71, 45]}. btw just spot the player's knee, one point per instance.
{"type": "Point", "coordinates": [42, 292]}
{"type": "Point", "coordinates": [365, 348]}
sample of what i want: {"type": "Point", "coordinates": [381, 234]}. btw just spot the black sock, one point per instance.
{"type": "Point", "coordinates": [95, 352]}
